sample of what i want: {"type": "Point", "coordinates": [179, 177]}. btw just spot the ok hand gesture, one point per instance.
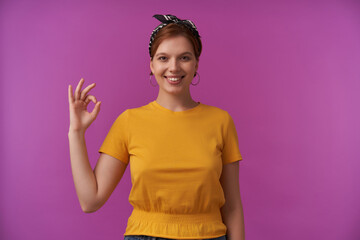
{"type": "Point", "coordinates": [80, 118]}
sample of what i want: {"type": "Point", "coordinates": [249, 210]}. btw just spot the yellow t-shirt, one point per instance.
{"type": "Point", "coordinates": [176, 161]}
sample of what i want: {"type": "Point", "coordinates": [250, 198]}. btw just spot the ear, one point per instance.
{"type": "Point", "coordinates": [151, 66]}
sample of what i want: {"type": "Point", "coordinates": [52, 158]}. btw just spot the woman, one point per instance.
{"type": "Point", "coordinates": [184, 154]}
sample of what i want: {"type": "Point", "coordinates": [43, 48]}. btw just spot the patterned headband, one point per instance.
{"type": "Point", "coordinates": [166, 19]}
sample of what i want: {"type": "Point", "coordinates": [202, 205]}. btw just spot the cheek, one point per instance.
{"type": "Point", "coordinates": [191, 68]}
{"type": "Point", "coordinates": [160, 70]}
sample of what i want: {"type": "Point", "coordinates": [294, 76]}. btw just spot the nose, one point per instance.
{"type": "Point", "coordinates": [173, 65]}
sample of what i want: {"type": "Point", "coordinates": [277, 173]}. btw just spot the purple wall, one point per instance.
{"type": "Point", "coordinates": [288, 72]}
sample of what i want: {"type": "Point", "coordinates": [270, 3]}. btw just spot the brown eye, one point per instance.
{"type": "Point", "coordinates": [162, 58]}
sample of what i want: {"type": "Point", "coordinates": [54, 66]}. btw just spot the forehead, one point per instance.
{"type": "Point", "coordinates": [175, 45]}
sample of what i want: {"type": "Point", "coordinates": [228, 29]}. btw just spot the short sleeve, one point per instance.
{"type": "Point", "coordinates": [230, 151]}
{"type": "Point", "coordinates": [116, 141]}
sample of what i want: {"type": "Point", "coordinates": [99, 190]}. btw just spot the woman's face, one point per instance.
{"type": "Point", "coordinates": [174, 60]}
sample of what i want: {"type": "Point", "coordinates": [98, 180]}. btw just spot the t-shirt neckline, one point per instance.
{"type": "Point", "coordinates": [164, 109]}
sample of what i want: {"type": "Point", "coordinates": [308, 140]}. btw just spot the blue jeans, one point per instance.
{"type": "Point", "coordinates": [144, 237]}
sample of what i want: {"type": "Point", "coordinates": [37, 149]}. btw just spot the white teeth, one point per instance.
{"type": "Point", "coordinates": [174, 79]}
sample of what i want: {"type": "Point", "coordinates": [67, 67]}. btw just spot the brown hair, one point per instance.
{"type": "Point", "coordinates": [172, 30]}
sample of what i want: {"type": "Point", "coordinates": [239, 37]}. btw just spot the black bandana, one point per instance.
{"type": "Point", "coordinates": [166, 19]}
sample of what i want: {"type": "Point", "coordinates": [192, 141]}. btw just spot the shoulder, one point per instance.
{"type": "Point", "coordinates": [133, 111]}
{"type": "Point", "coordinates": [217, 111]}
{"type": "Point", "coordinates": [140, 109]}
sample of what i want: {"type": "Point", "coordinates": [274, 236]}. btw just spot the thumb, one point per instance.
{"type": "Point", "coordinates": [96, 109]}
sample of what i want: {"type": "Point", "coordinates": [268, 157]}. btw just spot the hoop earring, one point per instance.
{"type": "Point", "coordinates": [196, 73]}
{"type": "Point", "coordinates": [151, 83]}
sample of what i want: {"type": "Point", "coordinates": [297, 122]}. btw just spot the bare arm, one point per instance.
{"type": "Point", "coordinates": [84, 178]}
{"type": "Point", "coordinates": [93, 188]}
{"type": "Point", "coordinates": [232, 211]}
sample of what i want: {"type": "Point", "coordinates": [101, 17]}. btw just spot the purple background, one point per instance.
{"type": "Point", "coordinates": [287, 71]}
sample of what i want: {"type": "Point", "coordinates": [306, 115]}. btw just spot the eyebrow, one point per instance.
{"type": "Point", "coordinates": [162, 53]}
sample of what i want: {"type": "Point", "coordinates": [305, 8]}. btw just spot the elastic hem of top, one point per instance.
{"type": "Point", "coordinates": [190, 218]}
{"type": "Point", "coordinates": [167, 237]}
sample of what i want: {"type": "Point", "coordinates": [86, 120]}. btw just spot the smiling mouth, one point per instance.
{"type": "Point", "coordinates": [174, 79]}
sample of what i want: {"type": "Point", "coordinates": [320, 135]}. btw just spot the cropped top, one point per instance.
{"type": "Point", "coordinates": [176, 160]}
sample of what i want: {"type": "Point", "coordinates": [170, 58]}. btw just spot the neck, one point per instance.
{"type": "Point", "coordinates": [176, 102]}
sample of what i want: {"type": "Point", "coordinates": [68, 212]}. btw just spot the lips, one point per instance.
{"type": "Point", "coordinates": [174, 80]}
{"type": "Point", "coordinates": [174, 77]}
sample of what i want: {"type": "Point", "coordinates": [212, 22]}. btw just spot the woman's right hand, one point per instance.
{"type": "Point", "coordinates": [80, 118]}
